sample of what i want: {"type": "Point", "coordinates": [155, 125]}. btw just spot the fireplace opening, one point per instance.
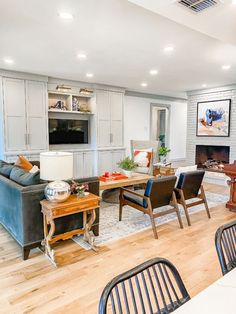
{"type": "Point", "coordinates": [212, 158]}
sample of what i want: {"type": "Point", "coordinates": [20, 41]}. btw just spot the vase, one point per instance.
{"type": "Point", "coordinates": [127, 173]}
{"type": "Point", "coordinates": [80, 194]}
{"type": "Point", "coordinates": [163, 159]}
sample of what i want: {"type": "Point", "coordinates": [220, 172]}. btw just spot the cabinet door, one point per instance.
{"type": "Point", "coordinates": [104, 162]}
{"type": "Point", "coordinates": [104, 133]}
{"type": "Point", "coordinates": [15, 114]}
{"type": "Point", "coordinates": [116, 104]}
{"type": "Point", "coordinates": [78, 165]}
{"type": "Point", "coordinates": [103, 106]}
{"type": "Point", "coordinates": [88, 164]}
{"type": "Point", "coordinates": [116, 157]}
{"type": "Point", "coordinates": [103, 117]}
{"type": "Point", "coordinates": [116, 133]}
{"type": "Point", "coordinates": [36, 115]}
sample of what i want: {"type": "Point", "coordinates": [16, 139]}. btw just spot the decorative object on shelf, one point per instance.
{"type": "Point", "coordinates": [56, 166]}
{"type": "Point", "coordinates": [162, 153]}
{"type": "Point", "coordinates": [63, 88]}
{"type": "Point", "coordinates": [86, 92]}
{"type": "Point", "coordinates": [80, 190]}
{"type": "Point", "coordinates": [84, 107]}
{"type": "Point", "coordinates": [213, 118]}
{"type": "Point", "coordinates": [75, 104]}
{"type": "Point", "coordinates": [128, 166]}
{"type": "Point", "coordinates": [60, 105]}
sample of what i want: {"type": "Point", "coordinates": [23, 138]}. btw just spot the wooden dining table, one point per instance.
{"type": "Point", "coordinates": [218, 298]}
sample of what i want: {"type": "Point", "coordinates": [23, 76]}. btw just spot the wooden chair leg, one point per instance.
{"type": "Point", "coordinates": [153, 227]}
{"type": "Point", "coordinates": [203, 195]}
{"type": "Point", "coordinates": [175, 204]}
{"type": "Point", "coordinates": [120, 210]}
{"type": "Point", "coordinates": [152, 219]}
{"type": "Point", "coordinates": [183, 203]}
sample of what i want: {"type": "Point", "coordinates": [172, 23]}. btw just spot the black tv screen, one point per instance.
{"type": "Point", "coordinates": [66, 131]}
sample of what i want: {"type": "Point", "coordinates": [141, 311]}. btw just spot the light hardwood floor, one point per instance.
{"type": "Point", "coordinates": [35, 286]}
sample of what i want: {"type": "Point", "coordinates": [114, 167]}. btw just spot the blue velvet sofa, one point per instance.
{"type": "Point", "coordinates": [20, 212]}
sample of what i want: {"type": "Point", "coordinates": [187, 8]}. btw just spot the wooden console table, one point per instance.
{"type": "Point", "coordinates": [73, 205]}
{"type": "Point", "coordinates": [230, 171]}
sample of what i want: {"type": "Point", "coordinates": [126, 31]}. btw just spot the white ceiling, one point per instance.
{"type": "Point", "coordinates": [218, 22]}
{"type": "Point", "coordinates": [123, 42]}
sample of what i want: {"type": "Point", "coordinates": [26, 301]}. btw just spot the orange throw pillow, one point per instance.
{"type": "Point", "coordinates": [23, 163]}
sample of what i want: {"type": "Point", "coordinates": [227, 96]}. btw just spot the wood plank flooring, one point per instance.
{"type": "Point", "coordinates": [36, 286]}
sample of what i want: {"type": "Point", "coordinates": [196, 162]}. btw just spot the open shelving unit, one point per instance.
{"type": "Point", "coordinates": [69, 103]}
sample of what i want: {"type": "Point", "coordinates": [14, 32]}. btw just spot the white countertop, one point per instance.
{"type": "Point", "coordinates": [219, 298]}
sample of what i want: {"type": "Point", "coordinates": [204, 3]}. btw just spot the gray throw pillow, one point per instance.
{"type": "Point", "coordinates": [23, 177]}
{"type": "Point", "coordinates": [5, 168]}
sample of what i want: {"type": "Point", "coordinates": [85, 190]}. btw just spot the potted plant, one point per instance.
{"type": "Point", "coordinates": [128, 166]}
{"type": "Point", "coordinates": [162, 153]}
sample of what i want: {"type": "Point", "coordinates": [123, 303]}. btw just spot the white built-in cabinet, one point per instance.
{"type": "Point", "coordinates": [24, 104]}
{"type": "Point", "coordinates": [108, 159]}
{"type": "Point", "coordinates": [83, 164]}
{"type": "Point", "coordinates": [25, 115]}
{"type": "Point", "coordinates": [109, 118]}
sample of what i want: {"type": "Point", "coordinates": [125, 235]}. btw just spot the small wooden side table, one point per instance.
{"type": "Point", "coordinates": [160, 169]}
{"type": "Point", "coordinates": [73, 205]}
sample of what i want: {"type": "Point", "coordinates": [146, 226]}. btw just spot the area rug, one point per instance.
{"type": "Point", "coordinates": [110, 228]}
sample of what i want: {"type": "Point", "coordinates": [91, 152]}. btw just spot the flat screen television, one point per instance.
{"type": "Point", "coordinates": [67, 131]}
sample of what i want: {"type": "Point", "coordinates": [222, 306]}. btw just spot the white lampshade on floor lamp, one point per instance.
{"type": "Point", "coordinates": [56, 166]}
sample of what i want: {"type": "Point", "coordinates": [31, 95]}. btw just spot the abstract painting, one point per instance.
{"type": "Point", "coordinates": [213, 118]}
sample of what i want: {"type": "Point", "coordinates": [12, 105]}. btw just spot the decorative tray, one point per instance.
{"type": "Point", "coordinates": [112, 176]}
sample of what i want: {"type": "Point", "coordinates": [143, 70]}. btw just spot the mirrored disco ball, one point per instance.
{"type": "Point", "coordinates": [57, 191]}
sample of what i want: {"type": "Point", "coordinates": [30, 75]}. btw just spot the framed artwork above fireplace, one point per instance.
{"type": "Point", "coordinates": [213, 118]}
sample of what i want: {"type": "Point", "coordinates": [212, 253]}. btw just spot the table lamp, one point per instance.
{"type": "Point", "coordinates": [56, 166]}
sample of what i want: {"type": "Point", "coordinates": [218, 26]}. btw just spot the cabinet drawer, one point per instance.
{"type": "Point", "coordinates": [57, 212]}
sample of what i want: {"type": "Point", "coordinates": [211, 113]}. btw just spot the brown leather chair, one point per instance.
{"type": "Point", "coordinates": [159, 192]}
{"type": "Point", "coordinates": [188, 187]}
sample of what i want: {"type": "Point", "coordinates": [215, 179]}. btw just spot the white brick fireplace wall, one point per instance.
{"type": "Point", "coordinates": [226, 92]}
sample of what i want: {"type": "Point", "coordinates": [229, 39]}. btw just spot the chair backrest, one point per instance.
{"type": "Point", "coordinates": [190, 182]}
{"type": "Point", "coordinates": [142, 145]}
{"type": "Point", "coordinates": [160, 190]}
{"type": "Point", "coordinates": [152, 287]}
{"type": "Point", "coordinates": [225, 241]}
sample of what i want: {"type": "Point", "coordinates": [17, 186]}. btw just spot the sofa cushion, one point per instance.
{"type": "Point", "coordinates": [5, 168]}
{"type": "Point", "coordinates": [23, 177]}
{"type": "Point", "coordinates": [23, 163]}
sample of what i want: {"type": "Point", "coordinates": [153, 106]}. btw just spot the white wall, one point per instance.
{"type": "Point", "coordinates": [137, 123]}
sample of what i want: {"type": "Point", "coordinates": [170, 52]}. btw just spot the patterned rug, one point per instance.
{"type": "Point", "coordinates": [110, 228]}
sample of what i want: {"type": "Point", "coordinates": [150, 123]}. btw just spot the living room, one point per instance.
{"type": "Point", "coordinates": [117, 150]}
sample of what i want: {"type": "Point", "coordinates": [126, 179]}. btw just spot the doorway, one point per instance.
{"type": "Point", "coordinates": [159, 129]}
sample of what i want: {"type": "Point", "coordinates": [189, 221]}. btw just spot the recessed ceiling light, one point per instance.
{"type": "Point", "coordinates": [89, 74]}
{"type": "Point", "coordinates": [153, 72]}
{"type": "Point", "coordinates": [65, 15]}
{"type": "Point", "coordinates": [204, 85]}
{"type": "Point", "coordinates": [144, 84]}
{"type": "Point", "coordinates": [81, 56]}
{"type": "Point", "coordinates": [226, 67]}
{"type": "Point", "coordinates": [169, 48]}
{"type": "Point", "coordinates": [8, 60]}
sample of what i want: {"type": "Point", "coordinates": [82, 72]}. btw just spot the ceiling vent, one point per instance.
{"type": "Point", "coordinates": [198, 5]}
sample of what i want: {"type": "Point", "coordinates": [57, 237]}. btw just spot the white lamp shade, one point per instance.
{"type": "Point", "coordinates": [56, 166]}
